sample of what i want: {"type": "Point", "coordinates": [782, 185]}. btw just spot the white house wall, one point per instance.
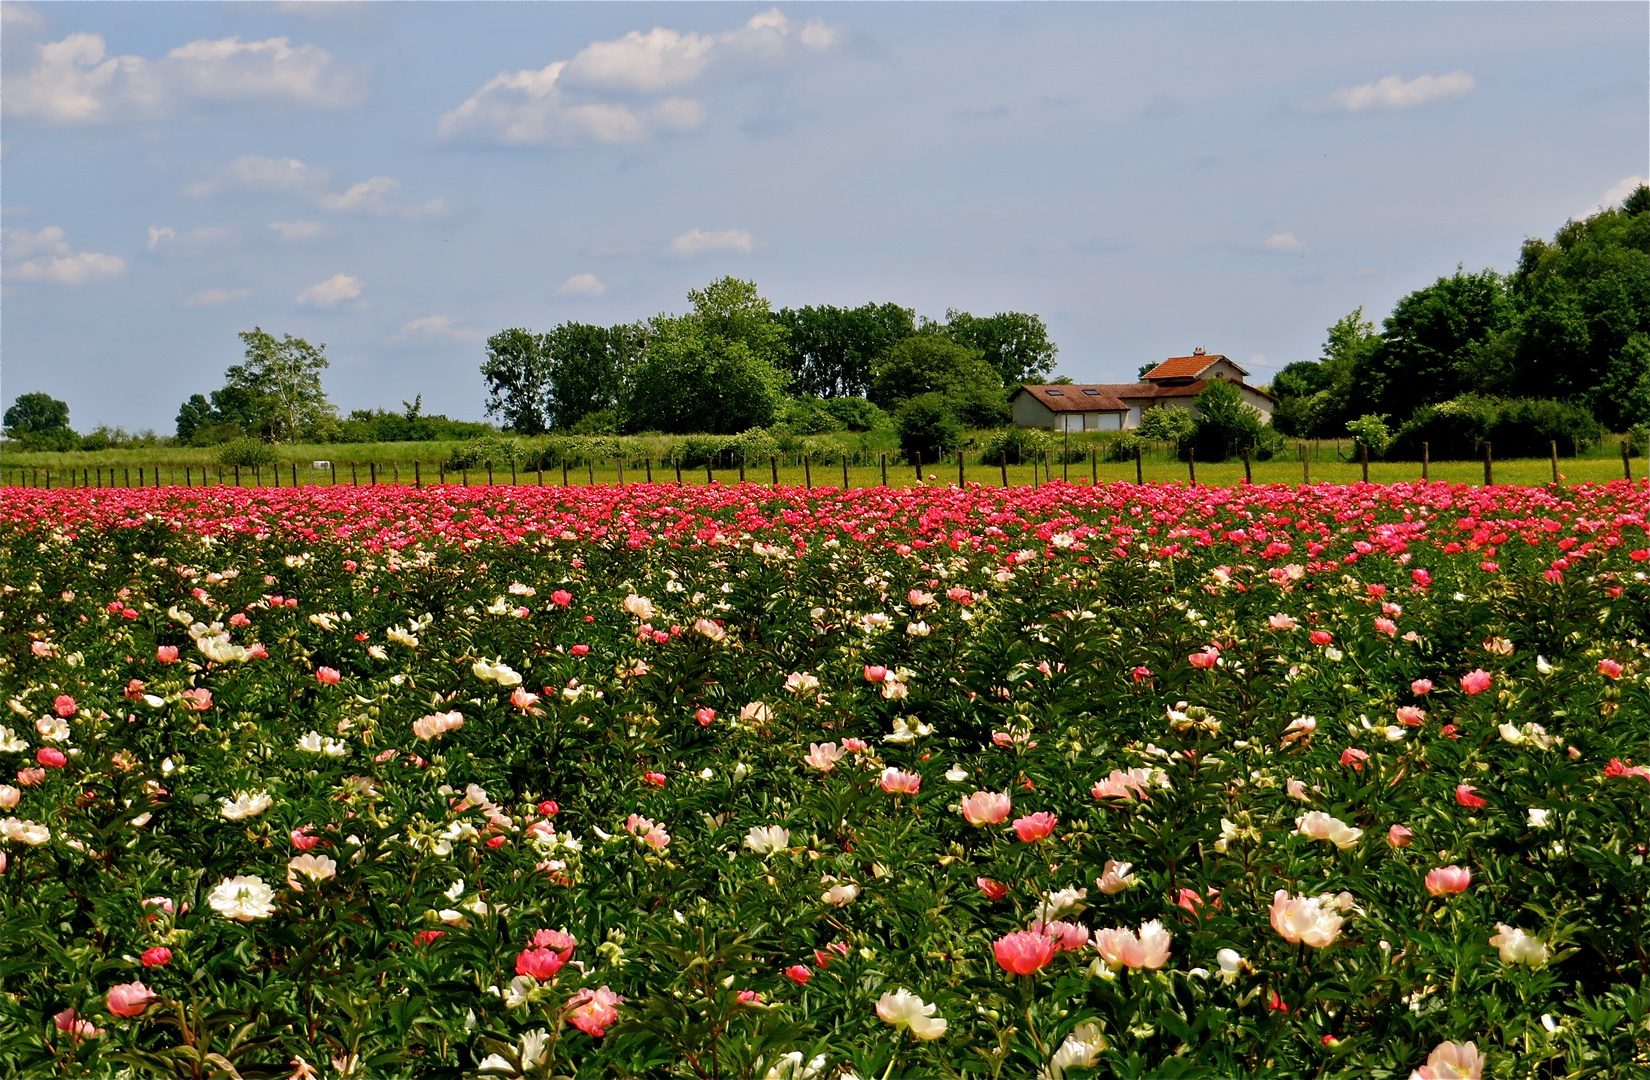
{"type": "Point", "coordinates": [1031, 413]}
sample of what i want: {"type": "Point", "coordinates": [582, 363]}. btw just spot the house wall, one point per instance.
{"type": "Point", "coordinates": [1223, 369]}
{"type": "Point", "coordinates": [1031, 413]}
{"type": "Point", "coordinates": [1261, 405]}
{"type": "Point", "coordinates": [1132, 421]}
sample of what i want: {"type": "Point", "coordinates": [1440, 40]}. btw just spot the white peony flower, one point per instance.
{"type": "Point", "coordinates": [1081, 1049]}
{"type": "Point", "coordinates": [767, 840]}
{"type": "Point", "coordinates": [1518, 947]}
{"type": "Point", "coordinates": [11, 742]}
{"type": "Point", "coordinates": [245, 805]}
{"type": "Point", "coordinates": [243, 898]}
{"type": "Point", "coordinates": [314, 867]}
{"type": "Point", "coordinates": [841, 894]}
{"type": "Point", "coordinates": [1539, 818]}
{"type": "Point", "coordinates": [904, 1009]}
{"type": "Point", "coordinates": [1320, 826]}
{"type": "Point", "coordinates": [310, 743]}
{"type": "Point", "coordinates": [24, 832]}
{"type": "Point", "coordinates": [497, 671]}
{"type": "Point", "coordinates": [52, 728]}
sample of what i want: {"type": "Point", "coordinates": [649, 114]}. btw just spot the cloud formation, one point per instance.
{"type": "Point", "coordinates": [570, 102]}
{"type": "Point", "coordinates": [582, 285]}
{"type": "Point", "coordinates": [197, 239]}
{"type": "Point", "coordinates": [76, 81]}
{"type": "Point", "coordinates": [1618, 194]}
{"type": "Point", "coordinates": [331, 292]}
{"type": "Point", "coordinates": [215, 297]}
{"type": "Point", "coordinates": [699, 242]}
{"type": "Point", "coordinates": [1284, 241]}
{"type": "Point", "coordinates": [432, 326]}
{"type": "Point", "coordinates": [257, 175]}
{"type": "Point", "coordinates": [375, 197]}
{"type": "Point", "coordinates": [297, 230]}
{"type": "Point", "coordinates": [58, 263]}
{"type": "Point", "coordinates": [1394, 93]}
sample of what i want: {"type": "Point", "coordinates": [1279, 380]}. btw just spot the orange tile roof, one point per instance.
{"type": "Point", "coordinates": [1077, 397]}
{"type": "Point", "coordinates": [1188, 367]}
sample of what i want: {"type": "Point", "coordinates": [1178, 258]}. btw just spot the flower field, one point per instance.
{"type": "Point", "coordinates": [743, 781]}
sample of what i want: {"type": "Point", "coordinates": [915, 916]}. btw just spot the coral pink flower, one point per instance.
{"type": "Point", "coordinates": [1398, 836]}
{"type": "Point", "coordinates": [1208, 657]}
{"type": "Point", "coordinates": [1310, 920]}
{"type": "Point", "coordinates": [986, 808]}
{"type": "Point", "coordinates": [1452, 1061]}
{"type": "Point", "coordinates": [327, 676]}
{"type": "Point", "coordinates": [159, 956]}
{"type": "Point", "coordinates": [1024, 952]}
{"type": "Point", "coordinates": [1281, 621]}
{"type": "Point", "coordinates": [167, 654]}
{"type": "Point", "coordinates": [51, 757]}
{"type": "Point", "coordinates": [823, 756]}
{"type": "Point", "coordinates": [1123, 785]}
{"type": "Point", "coordinates": [1387, 627]}
{"type": "Point", "coordinates": [896, 782]}
{"type": "Point", "coordinates": [657, 779]}
{"type": "Point", "coordinates": [1614, 768]}
{"type": "Point", "coordinates": [1354, 757]}
{"type": "Point", "coordinates": [1410, 716]}
{"type": "Point", "coordinates": [129, 999]}
{"type": "Point", "coordinates": [579, 650]}
{"type": "Point", "coordinates": [524, 700]}
{"type": "Point", "coordinates": [1466, 795]}
{"type": "Point", "coordinates": [64, 705]}
{"type": "Point", "coordinates": [1035, 827]}
{"type": "Point", "coordinates": [1476, 681]}
{"type": "Point", "coordinates": [1608, 668]}
{"type": "Point", "coordinates": [1421, 578]}
{"type": "Point", "coordinates": [1421, 687]}
{"type": "Point", "coordinates": [559, 940]}
{"type": "Point", "coordinates": [854, 746]}
{"type": "Point", "coordinates": [592, 1010]}
{"type": "Point", "coordinates": [301, 839]}
{"type": "Point", "coordinates": [68, 1020]}
{"type": "Point", "coordinates": [798, 974]}
{"type": "Point", "coordinates": [994, 890]}
{"type": "Point", "coordinates": [539, 964]}
{"type": "Point", "coordinates": [427, 937]}
{"type": "Point", "coordinates": [1123, 948]}
{"type": "Point", "coordinates": [199, 699]}
{"type": "Point", "coordinates": [561, 598]}
{"type": "Point", "coordinates": [1067, 936]}
{"type": "Point", "coordinates": [750, 997]}
{"type": "Point", "coordinates": [30, 777]}
{"type": "Point", "coordinates": [1448, 880]}
{"type": "Point", "coordinates": [1141, 674]}
{"type": "Point", "coordinates": [875, 673]}
{"type": "Point", "coordinates": [706, 717]}
{"type": "Point", "coordinates": [1321, 637]}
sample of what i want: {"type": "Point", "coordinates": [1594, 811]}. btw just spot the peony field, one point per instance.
{"type": "Point", "coordinates": [745, 781]}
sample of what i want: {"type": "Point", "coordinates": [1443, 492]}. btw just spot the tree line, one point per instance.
{"type": "Point", "coordinates": [1557, 348]}
{"type": "Point", "coordinates": [732, 363]}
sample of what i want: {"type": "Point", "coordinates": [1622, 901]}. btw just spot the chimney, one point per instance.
{"type": "Point", "coordinates": [1198, 351]}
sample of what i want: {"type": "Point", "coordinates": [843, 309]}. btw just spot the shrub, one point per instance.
{"type": "Point", "coordinates": [1019, 443]}
{"type": "Point", "coordinates": [1166, 424]}
{"type": "Point", "coordinates": [1225, 425]}
{"type": "Point", "coordinates": [1523, 427]}
{"type": "Point", "coordinates": [247, 452]}
{"type": "Point", "coordinates": [1371, 431]}
{"type": "Point", "coordinates": [856, 414]}
{"type": "Point", "coordinates": [1123, 447]}
{"type": "Point", "coordinates": [927, 425]}
{"type": "Point", "coordinates": [494, 449]}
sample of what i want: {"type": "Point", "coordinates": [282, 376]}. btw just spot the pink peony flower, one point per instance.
{"type": "Point", "coordinates": [1149, 949]}
{"type": "Point", "coordinates": [159, 956]}
{"type": "Point", "coordinates": [1421, 687]}
{"type": "Point", "coordinates": [199, 699]}
{"type": "Point", "coordinates": [823, 756]}
{"type": "Point", "coordinates": [706, 717]}
{"type": "Point", "coordinates": [129, 999]}
{"type": "Point", "coordinates": [1448, 880]}
{"type": "Point", "coordinates": [1421, 578]}
{"type": "Point", "coordinates": [896, 782]}
{"type": "Point", "coordinates": [1208, 657]}
{"type": "Point", "coordinates": [986, 808]}
{"type": "Point", "coordinates": [1398, 836]}
{"type": "Point", "coordinates": [1608, 668]}
{"type": "Point", "coordinates": [1024, 952]}
{"type": "Point", "coordinates": [1354, 757]}
{"type": "Point", "coordinates": [854, 746]}
{"type": "Point", "coordinates": [167, 654]}
{"type": "Point", "coordinates": [327, 676]}
{"type": "Point", "coordinates": [51, 757]}
{"type": "Point", "coordinates": [1141, 674]}
{"type": "Point", "coordinates": [1410, 716]}
{"type": "Point", "coordinates": [1387, 627]}
{"type": "Point", "coordinates": [875, 673]}
{"type": "Point", "coordinates": [1476, 681]}
{"type": "Point", "coordinates": [1466, 795]}
{"type": "Point", "coordinates": [30, 777]}
{"type": "Point", "coordinates": [1281, 621]}
{"type": "Point", "coordinates": [540, 964]}
{"type": "Point", "coordinates": [592, 1010]}
{"type": "Point", "coordinates": [1035, 827]}
{"type": "Point", "coordinates": [64, 706]}
{"type": "Point", "coordinates": [798, 974]}
{"type": "Point", "coordinates": [68, 1020]}
{"type": "Point", "coordinates": [561, 598]}
{"type": "Point", "coordinates": [1310, 920]}
{"type": "Point", "coordinates": [1067, 936]}
{"type": "Point", "coordinates": [994, 890]}
{"type": "Point", "coordinates": [1321, 637]}
{"type": "Point", "coordinates": [657, 779]}
{"type": "Point", "coordinates": [1451, 1061]}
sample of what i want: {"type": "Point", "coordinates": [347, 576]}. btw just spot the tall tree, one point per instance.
{"type": "Point", "coordinates": [1439, 341]}
{"type": "Point", "coordinates": [830, 350]}
{"type": "Point", "coordinates": [588, 368]}
{"type": "Point", "coordinates": [1014, 342]}
{"type": "Point", "coordinates": [518, 381]}
{"type": "Point", "coordinates": [40, 422]}
{"type": "Point", "coordinates": [283, 380]}
{"type": "Point", "coordinates": [929, 363]}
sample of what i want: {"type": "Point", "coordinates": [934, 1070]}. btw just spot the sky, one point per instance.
{"type": "Point", "coordinates": [399, 181]}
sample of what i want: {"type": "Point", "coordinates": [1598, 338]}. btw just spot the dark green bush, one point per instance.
{"type": "Point", "coordinates": [1020, 444]}
{"type": "Point", "coordinates": [1523, 427]}
{"type": "Point", "coordinates": [927, 425]}
{"type": "Point", "coordinates": [247, 452]}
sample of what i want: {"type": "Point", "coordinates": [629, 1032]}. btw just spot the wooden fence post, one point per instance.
{"type": "Point", "coordinates": [1065, 457]}
{"type": "Point", "coordinates": [1002, 463]}
{"type": "Point", "coordinates": [513, 473]}
{"type": "Point", "coordinates": [1489, 476]}
{"type": "Point", "coordinates": [565, 481]}
{"type": "Point", "coordinates": [1426, 461]}
{"type": "Point", "coordinates": [710, 477]}
{"type": "Point", "coordinates": [188, 477]}
{"type": "Point", "coordinates": [294, 474]}
{"type": "Point", "coordinates": [773, 468]}
{"type": "Point", "coordinates": [1552, 450]}
{"type": "Point", "coordinates": [1139, 463]}
{"type": "Point", "coordinates": [647, 463]}
{"type": "Point", "coordinates": [741, 468]}
{"type": "Point", "coordinates": [1626, 462]}
{"type": "Point", "coordinates": [237, 477]}
{"type": "Point", "coordinates": [1248, 476]}
{"type": "Point", "coordinates": [884, 458]}
{"type": "Point", "coordinates": [141, 483]}
{"type": "Point", "coordinates": [808, 469]}
{"type": "Point", "coordinates": [918, 462]}
{"type": "Point", "coordinates": [1094, 467]}
{"type": "Point", "coordinates": [1306, 465]}
{"type": "Point", "coordinates": [464, 475]}
{"type": "Point", "coordinates": [372, 473]}
{"type": "Point", "coordinates": [418, 480]}
{"type": "Point", "coordinates": [1191, 465]}
{"type": "Point", "coordinates": [678, 468]}
{"type": "Point", "coordinates": [489, 474]}
{"type": "Point", "coordinates": [1363, 459]}
{"type": "Point", "coordinates": [354, 477]}
{"type": "Point", "coordinates": [845, 470]}
{"type": "Point", "coordinates": [962, 480]}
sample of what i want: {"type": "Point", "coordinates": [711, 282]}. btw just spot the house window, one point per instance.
{"type": "Point", "coordinates": [1092, 393]}
{"type": "Point", "coordinates": [1056, 393]}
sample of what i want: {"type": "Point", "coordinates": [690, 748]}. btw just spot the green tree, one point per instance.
{"type": "Point", "coordinates": [929, 363]}
{"type": "Point", "coordinates": [829, 351]}
{"type": "Point", "coordinates": [1438, 342]}
{"type": "Point", "coordinates": [278, 387]}
{"type": "Point", "coordinates": [690, 381]}
{"type": "Point", "coordinates": [1316, 397]}
{"type": "Point", "coordinates": [37, 420]}
{"type": "Point", "coordinates": [927, 425]}
{"type": "Point", "coordinates": [589, 367]}
{"type": "Point", "coordinates": [193, 415]}
{"type": "Point", "coordinates": [1015, 343]}
{"type": "Point", "coordinates": [518, 381]}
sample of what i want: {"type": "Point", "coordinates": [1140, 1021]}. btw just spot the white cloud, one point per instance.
{"type": "Point", "coordinates": [582, 285]}
{"type": "Point", "coordinates": [197, 239]}
{"type": "Point", "coordinates": [1394, 93]}
{"type": "Point", "coordinates": [374, 197]}
{"type": "Point", "coordinates": [21, 243]}
{"type": "Point", "coordinates": [699, 242]}
{"type": "Point", "coordinates": [15, 17]}
{"type": "Point", "coordinates": [439, 326]}
{"type": "Point", "coordinates": [561, 104]}
{"type": "Point", "coordinates": [297, 230]}
{"type": "Point", "coordinates": [58, 264]}
{"type": "Point", "coordinates": [332, 291]}
{"type": "Point", "coordinates": [215, 297]}
{"type": "Point", "coordinates": [259, 175]}
{"type": "Point", "coordinates": [75, 81]}
{"type": "Point", "coordinates": [1284, 241]}
{"type": "Point", "coordinates": [1618, 194]}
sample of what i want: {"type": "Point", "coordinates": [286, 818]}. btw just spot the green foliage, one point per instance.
{"type": "Point", "coordinates": [931, 364]}
{"type": "Point", "coordinates": [1439, 342]}
{"type": "Point", "coordinates": [519, 387]}
{"type": "Point", "coordinates": [412, 424]}
{"type": "Point", "coordinates": [40, 422]}
{"type": "Point", "coordinates": [276, 393]}
{"type": "Point", "coordinates": [829, 351]}
{"type": "Point", "coordinates": [1014, 343]}
{"type": "Point", "coordinates": [692, 380]}
{"type": "Point", "coordinates": [814, 416]}
{"type": "Point", "coordinates": [927, 425]}
{"type": "Point", "coordinates": [601, 422]}
{"type": "Point", "coordinates": [1021, 444]}
{"type": "Point", "coordinates": [1370, 431]}
{"type": "Point", "coordinates": [246, 452]}
{"type": "Point", "coordinates": [1166, 423]}
{"type": "Point", "coordinates": [1122, 448]}
{"type": "Point", "coordinates": [1225, 425]}
{"type": "Point", "coordinates": [492, 448]}
{"type": "Point", "coordinates": [1522, 427]}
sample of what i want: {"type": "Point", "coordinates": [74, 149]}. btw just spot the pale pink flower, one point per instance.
{"type": "Point", "coordinates": [1452, 1061]}
{"type": "Point", "coordinates": [986, 808]}
{"type": "Point", "coordinates": [1281, 621]}
{"type": "Point", "coordinates": [1411, 716]}
{"type": "Point", "coordinates": [591, 1011]}
{"type": "Point", "coordinates": [167, 654]}
{"type": "Point", "coordinates": [327, 676]}
{"type": "Point", "coordinates": [1354, 757]}
{"type": "Point", "coordinates": [1208, 657]}
{"type": "Point", "coordinates": [198, 699]}
{"type": "Point", "coordinates": [1131, 784]}
{"type": "Point", "coordinates": [1120, 947]}
{"type": "Point", "coordinates": [1035, 827]}
{"type": "Point", "coordinates": [1610, 669]}
{"type": "Point", "coordinates": [1448, 880]}
{"type": "Point", "coordinates": [823, 756]}
{"type": "Point", "coordinates": [1310, 920]}
{"type": "Point", "coordinates": [1387, 627]}
{"type": "Point", "coordinates": [129, 999]}
{"type": "Point", "coordinates": [1398, 836]}
{"type": "Point", "coordinates": [1320, 826]}
{"type": "Point", "coordinates": [1067, 936]}
{"type": "Point", "coordinates": [69, 1021]}
{"type": "Point", "coordinates": [1024, 952]}
{"type": "Point", "coordinates": [896, 782]}
{"type": "Point", "coordinates": [1421, 687]}
{"type": "Point", "coordinates": [1115, 878]}
{"type": "Point", "coordinates": [709, 628]}
{"type": "Point", "coordinates": [1476, 681]}
{"type": "Point", "coordinates": [1297, 789]}
{"type": "Point", "coordinates": [854, 746]}
{"type": "Point", "coordinates": [875, 673]}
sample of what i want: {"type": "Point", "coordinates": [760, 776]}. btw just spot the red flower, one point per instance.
{"type": "Point", "coordinates": [657, 779]}
{"type": "Point", "coordinates": [798, 974]}
{"type": "Point", "coordinates": [540, 964]}
{"type": "Point", "coordinates": [1466, 796]}
{"type": "Point", "coordinates": [993, 890]}
{"type": "Point", "coordinates": [159, 956]}
{"type": "Point", "coordinates": [51, 757]}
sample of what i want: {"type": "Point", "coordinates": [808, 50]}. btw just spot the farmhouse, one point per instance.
{"type": "Point", "coordinates": [1117, 406]}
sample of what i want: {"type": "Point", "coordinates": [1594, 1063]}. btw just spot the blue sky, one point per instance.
{"type": "Point", "coordinates": [401, 180]}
